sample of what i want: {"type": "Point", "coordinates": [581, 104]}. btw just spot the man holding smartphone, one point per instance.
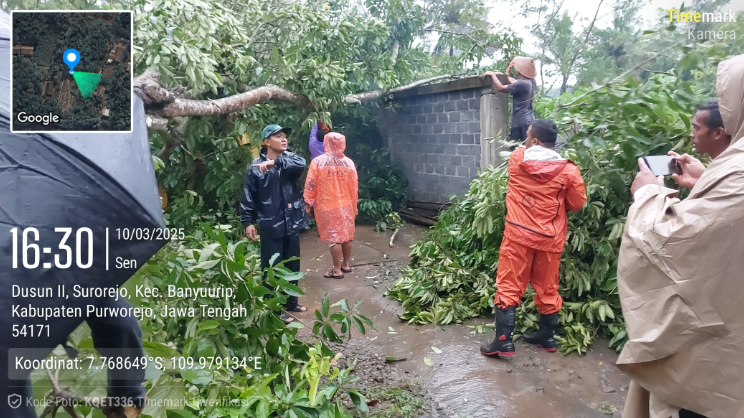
{"type": "Point", "coordinates": [679, 273]}
{"type": "Point", "coordinates": [708, 137]}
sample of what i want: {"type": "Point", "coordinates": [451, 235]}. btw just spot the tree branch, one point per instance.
{"type": "Point", "coordinates": [170, 142]}
{"type": "Point", "coordinates": [61, 398]}
{"type": "Point", "coordinates": [162, 104]}
{"type": "Point", "coordinates": [588, 33]}
{"type": "Point", "coordinates": [396, 49]}
{"type": "Point", "coordinates": [548, 44]}
{"type": "Point", "coordinates": [451, 33]}
{"type": "Point", "coordinates": [621, 76]}
{"type": "Point", "coordinates": [580, 47]}
{"type": "Point", "coordinates": [156, 123]}
{"type": "Point", "coordinates": [226, 105]}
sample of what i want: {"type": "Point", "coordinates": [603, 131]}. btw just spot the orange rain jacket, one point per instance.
{"type": "Point", "coordinates": [540, 193]}
{"type": "Point", "coordinates": [331, 188]}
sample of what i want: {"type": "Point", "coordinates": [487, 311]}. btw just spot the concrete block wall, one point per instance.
{"type": "Point", "coordinates": [436, 140]}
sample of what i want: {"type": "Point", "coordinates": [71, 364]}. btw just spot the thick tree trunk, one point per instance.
{"type": "Point", "coordinates": [161, 103]}
{"type": "Point", "coordinates": [564, 84]}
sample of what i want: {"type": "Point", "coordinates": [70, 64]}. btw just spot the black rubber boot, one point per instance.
{"type": "Point", "coordinates": [502, 345]}
{"type": "Point", "coordinates": [543, 338]}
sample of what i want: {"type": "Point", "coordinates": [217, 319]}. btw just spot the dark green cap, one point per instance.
{"type": "Point", "coordinates": [273, 129]}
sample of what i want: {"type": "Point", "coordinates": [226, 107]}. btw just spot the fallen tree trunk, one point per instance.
{"type": "Point", "coordinates": [162, 103]}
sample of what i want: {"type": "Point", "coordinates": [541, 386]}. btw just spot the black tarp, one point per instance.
{"type": "Point", "coordinates": [102, 182]}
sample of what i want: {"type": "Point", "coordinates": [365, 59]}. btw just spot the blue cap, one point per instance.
{"type": "Point", "coordinates": [273, 129]}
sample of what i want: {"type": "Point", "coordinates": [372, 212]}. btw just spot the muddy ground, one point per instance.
{"type": "Point", "coordinates": [460, 382]}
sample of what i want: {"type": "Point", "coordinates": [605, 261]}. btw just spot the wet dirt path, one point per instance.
{"type": "Point", "coordinates": [460, 382]}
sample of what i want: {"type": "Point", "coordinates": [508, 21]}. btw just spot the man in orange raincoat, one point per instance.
{"type": "Point", "coordinates": [542, 188]}
{"type": "Point", "coordinates": [331, 189]}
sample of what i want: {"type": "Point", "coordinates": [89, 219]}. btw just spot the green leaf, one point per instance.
{"type": "Point", "coordinates": [207, 325]}
{"type": "Point", "coordinates": [324, 306]}
{"type": "Point", "coordinates": [199, 377]}
{"type": "Point", "coordinates": [205, 265]}
{"type": "Point", "coordinates": [272, 346]}
{"type": "Point", "coordinates": [166, 392]}
{"type": "Point", "coordinates": [428, 361]}
{"type": "Point", "coordinates": [330, 334]}
{"type": "Point", "coordinates": [359, 401]}
{"type": "Point", "coordinates": [273, 259]}
{"type": "Point", "coordinates": [290, 289]}
{"type": "Point", "coordinates": [359, 325]}
{"type": "Point", "coordinates": [154, 349]}
{"type": "Point", "coordinates": [436, 350]}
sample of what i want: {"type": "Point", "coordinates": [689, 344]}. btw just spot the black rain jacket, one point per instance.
{"type": "Point", "coordinates": [272, 198]}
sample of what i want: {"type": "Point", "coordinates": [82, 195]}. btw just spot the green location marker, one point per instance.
{"type": "Point", "coordinates": [86, 82]}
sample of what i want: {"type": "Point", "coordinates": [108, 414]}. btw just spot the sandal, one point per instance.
{"type": "Point", "coordinates": [330, 275]}
{"type": "Point", "coordinates": [298, 308]}
{"type": "Point", "coordinates": [287, 319]}
{"type": "Point", "coordinates": [349, 270]}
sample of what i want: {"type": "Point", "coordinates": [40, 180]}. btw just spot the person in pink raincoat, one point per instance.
{"type": "Point", "coordinates": [331, 190]}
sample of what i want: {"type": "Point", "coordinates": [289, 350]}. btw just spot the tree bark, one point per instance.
{"type": "Point", "coordinates": [394, 54]}
{"type": "Point", "coordinates": [162, 104]}
{"type": "Point", "coordinates": [171, 142]}
{"type": "Point", "coordinates": [564, 83]}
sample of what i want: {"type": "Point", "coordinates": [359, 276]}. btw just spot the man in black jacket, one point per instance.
{"type": "Point", "coordinates": [271, 198]}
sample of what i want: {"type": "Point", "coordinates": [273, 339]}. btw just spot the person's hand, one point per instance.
{"type": "Point", "coordinates": [645, 176]}
{"type": "Point", "coordinates": [308, 208]}
{"type": "Point", "coordinates": [250, 232]}
{"type": "Point", "coordinates": [265, 166]}
{"type": "Point", "coordinates": [488, 74]}
{"type": "Point", "coordinates": [511, 64]}
{"type": "Point", "coordinates": [691, 167]}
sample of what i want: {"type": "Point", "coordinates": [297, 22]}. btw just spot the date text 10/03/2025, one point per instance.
{"type": "Point", "coordinates": [79, 248]}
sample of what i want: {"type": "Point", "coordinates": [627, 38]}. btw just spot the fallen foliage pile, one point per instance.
{"type": "Point", "coordinates": [452, 275]}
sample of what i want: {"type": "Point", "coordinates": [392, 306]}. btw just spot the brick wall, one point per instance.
{"type": "Point", "coordinates": [435, 138]}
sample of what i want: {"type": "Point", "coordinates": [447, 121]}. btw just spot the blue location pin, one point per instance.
{"type": "Point", "coordinates": [71, 57]}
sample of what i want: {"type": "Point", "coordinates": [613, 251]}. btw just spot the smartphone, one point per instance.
{"type": "Point", "coordinates": [663, 165]}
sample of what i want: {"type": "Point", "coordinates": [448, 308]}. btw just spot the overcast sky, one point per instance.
{"type": "Point", "coordinates": [503, 14]}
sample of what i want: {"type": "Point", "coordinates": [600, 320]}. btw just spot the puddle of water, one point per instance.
{"type": "Point", "coordinates": [534, 384]}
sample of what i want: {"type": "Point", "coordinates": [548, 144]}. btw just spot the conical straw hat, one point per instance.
{"type": "Point", "coordinates": [526, 66]}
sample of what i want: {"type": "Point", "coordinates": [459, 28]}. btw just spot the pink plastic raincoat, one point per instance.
{"type": "Point", "coordinates": [331, 189]}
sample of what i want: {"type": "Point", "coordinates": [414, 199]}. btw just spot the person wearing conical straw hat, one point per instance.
{"type": "Point", "coordinates": [523, 92]}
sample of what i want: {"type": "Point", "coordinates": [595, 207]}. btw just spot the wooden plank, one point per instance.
{"type": "Point", "coordinates": [430, 206]}
{"type": "Point", "coordinates": [416, 220]}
